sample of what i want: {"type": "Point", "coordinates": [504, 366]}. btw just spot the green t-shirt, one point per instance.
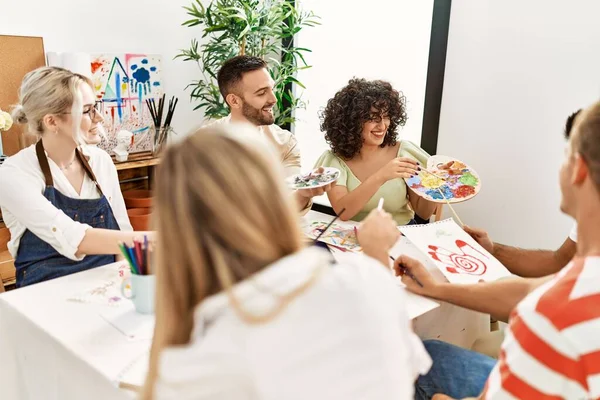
{"type": "Point", "coordinates": [393, 191]}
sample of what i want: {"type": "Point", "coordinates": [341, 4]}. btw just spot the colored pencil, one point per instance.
{"type": "Point", "coordinates": [408, 273]}
{"type": "Point", "coordinates": [126, 255]}
{"type": "Point", "coordinates": [139, 260]}
{"type": "Point", "coordinates": [145, 255]}
{"type": "Point", "coordinates": [132, 257]}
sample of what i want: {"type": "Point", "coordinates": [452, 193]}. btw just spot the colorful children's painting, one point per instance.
{"type": "Point", "coordinates": [460, 258]}
{"type": "Point", "coordinates": [447, 179]}
{"type": "Point", "coordinates": [340, 236]}
{"type": "Point", "coordinates": [122, 83]}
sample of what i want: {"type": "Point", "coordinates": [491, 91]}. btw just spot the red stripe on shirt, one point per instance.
{"type": "Point", "coordinates": [543, 352]}
{"type": "Point", "coordinates": [592, 362]}
{"type": "Point", "coordinates": [518, 387]}
{"type": "Point", "coordinates": [563, 312]}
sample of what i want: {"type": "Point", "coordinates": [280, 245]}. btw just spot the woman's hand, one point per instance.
{"type": "Point", "coordinates": [377, 234]}
{"type": "Point", "coordinates": [405, 266]}
{"type": "Point", "coordinates": [400, 167]}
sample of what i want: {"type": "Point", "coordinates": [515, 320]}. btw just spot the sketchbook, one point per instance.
{"type": "Point", "coordinates": [454, 252]}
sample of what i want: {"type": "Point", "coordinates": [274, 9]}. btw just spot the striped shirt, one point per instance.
{"type": "Point", "coordinates": [552, 344]}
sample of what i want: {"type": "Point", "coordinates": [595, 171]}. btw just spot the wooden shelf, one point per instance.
{"type": "Point", "coordinates": [138, 160]}
{"type": "Point", "coordinates": [7, 269]}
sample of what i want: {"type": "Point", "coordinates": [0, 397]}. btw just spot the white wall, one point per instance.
{"type": "Point", "coordinates": [113, 26]}
{"type": "Point", "coordinates": [514, 71]}
{"type": "Point", "coordinates": [378, 39]}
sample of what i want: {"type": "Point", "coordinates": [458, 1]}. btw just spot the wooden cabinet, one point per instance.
{"type": "Point", "coordinates": [137, 172]}
{"type": "Point", "coordinates": [7, 265]}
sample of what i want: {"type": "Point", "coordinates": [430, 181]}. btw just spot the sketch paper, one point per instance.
{"type": "Point", "coordinates": [339, 234]}
{"type": "Point", "coordinates": [125, 319]}
{"type": "Point", "coordinates": [458, 256]}
{"type": "Point", "coordinates": [105, 293]}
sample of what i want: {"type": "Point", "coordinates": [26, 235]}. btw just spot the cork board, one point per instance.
{"type": "Point", "coordinates": [19, 55]}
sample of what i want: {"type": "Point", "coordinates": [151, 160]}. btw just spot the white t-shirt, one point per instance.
{"type": "Point", "coordinates": [283, 141]}
{"type": "Point", "coordinates": [24, 206]}
{"type": "Point", "coordinates": [347, 337]}
{"type": "Point", "coordinates": [573, 234]}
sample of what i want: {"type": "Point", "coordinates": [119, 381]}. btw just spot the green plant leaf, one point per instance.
{"type": "Point", "coordinates": [260, 25]}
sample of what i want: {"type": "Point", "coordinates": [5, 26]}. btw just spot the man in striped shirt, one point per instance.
{"type": "Point", "coordinates": [552, 344]}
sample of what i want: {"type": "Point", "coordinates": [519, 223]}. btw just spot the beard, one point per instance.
{"type": "Point", "coordinates": [256, 115]}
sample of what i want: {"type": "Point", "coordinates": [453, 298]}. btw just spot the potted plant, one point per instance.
{"type": "Point", "coordinates": [262, 28]}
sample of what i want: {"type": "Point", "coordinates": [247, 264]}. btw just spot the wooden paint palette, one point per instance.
{"type": "Point", "coordinates": [450, 179]}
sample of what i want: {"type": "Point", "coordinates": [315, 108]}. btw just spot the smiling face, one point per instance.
{"type": "Point", "coordinates": [375, 129]}
{"type": "Point", "coordinates": [254, 98]}
{"type": "Point", "coordinates": [90, 124]}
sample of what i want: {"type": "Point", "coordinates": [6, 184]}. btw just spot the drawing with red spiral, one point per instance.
{"type": "Point", "coordinates": [466, 262]}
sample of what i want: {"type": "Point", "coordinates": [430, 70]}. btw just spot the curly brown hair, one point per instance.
{"type": "Point", "coordinates": [343, 118]}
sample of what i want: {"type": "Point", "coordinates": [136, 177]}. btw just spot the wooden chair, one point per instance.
{"type": "Point", "coordinates": [7, 265]}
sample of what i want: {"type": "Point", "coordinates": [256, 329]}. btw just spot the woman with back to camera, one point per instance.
{"type": "Point", "coordinates": [361, 126]}
{"type": "Point", "coordinates": [60, 199]}
{"type": "Point", "coordinates": [245, 311]}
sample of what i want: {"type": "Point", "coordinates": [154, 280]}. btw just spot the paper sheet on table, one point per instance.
{"type": "Point", "coordinates": [134, 375]}
{"type": "Point", "coordinates": [454, 252]}
{"type": "Point", "coordinates": [416, 305]}
{"type": "Point", "coordinates": [133, 325]}
{"type": "Point", "coordinates": [105, 293]}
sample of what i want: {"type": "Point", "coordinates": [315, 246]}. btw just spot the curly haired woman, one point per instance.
{"type": "Point", "coordinates": [361, 126]}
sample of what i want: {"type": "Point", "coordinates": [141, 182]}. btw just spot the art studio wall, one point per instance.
{"type": "Point", "coordinates": [114, 26]}
{"type": "Point", "coordinates": [514, 71]}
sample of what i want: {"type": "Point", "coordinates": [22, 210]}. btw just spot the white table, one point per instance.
{"type": "Point", "coordinates": [55, 349]}
{"type": "Point", "coordinates": [447, 322]}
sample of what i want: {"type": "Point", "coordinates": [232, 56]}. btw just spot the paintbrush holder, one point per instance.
{"type": "Point", "coordinates": [160, 137]}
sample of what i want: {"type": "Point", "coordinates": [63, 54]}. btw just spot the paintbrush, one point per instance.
{"type": "Point", "coordinates": [431, 173]}
{"type": "Point", "coordinates": [329, 225]}
{"type": "Point", "coordinates": [451, 208]}
{"type": "Point", "coordinates": [408, 273]}
{"type": "Point", "coordinates": [149, 105]}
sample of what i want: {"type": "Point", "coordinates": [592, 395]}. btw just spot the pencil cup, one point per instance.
{"type": "Point", "coordinates": [142, 292]}
{"type": "Point", "coordinates": [159, 138]}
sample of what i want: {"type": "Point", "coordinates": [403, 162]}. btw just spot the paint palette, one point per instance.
{"type": "Point", "coordinates": [450, 179]}
{"type": "Point", "coordinates": [313, 179]}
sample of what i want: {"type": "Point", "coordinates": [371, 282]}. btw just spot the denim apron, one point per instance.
{"type": "Point", "coordinates": [36, 260]}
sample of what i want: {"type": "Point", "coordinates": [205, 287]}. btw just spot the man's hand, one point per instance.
{"type": "Point", "coordinates": [303, 196]}
{"type": "Point", "coordinates": [481, 237]}
{"type": "Point", "coordinates": [377, 234]}
{"type": "Point", "coordinates": [405, 266]}
{"type": "Point", "coordinates": [310, 193]}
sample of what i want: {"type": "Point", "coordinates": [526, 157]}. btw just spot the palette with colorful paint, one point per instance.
{"type": "Point", "coordinates": [314, 179]}
{"type": "Point", "coordinates": [450, 179]}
